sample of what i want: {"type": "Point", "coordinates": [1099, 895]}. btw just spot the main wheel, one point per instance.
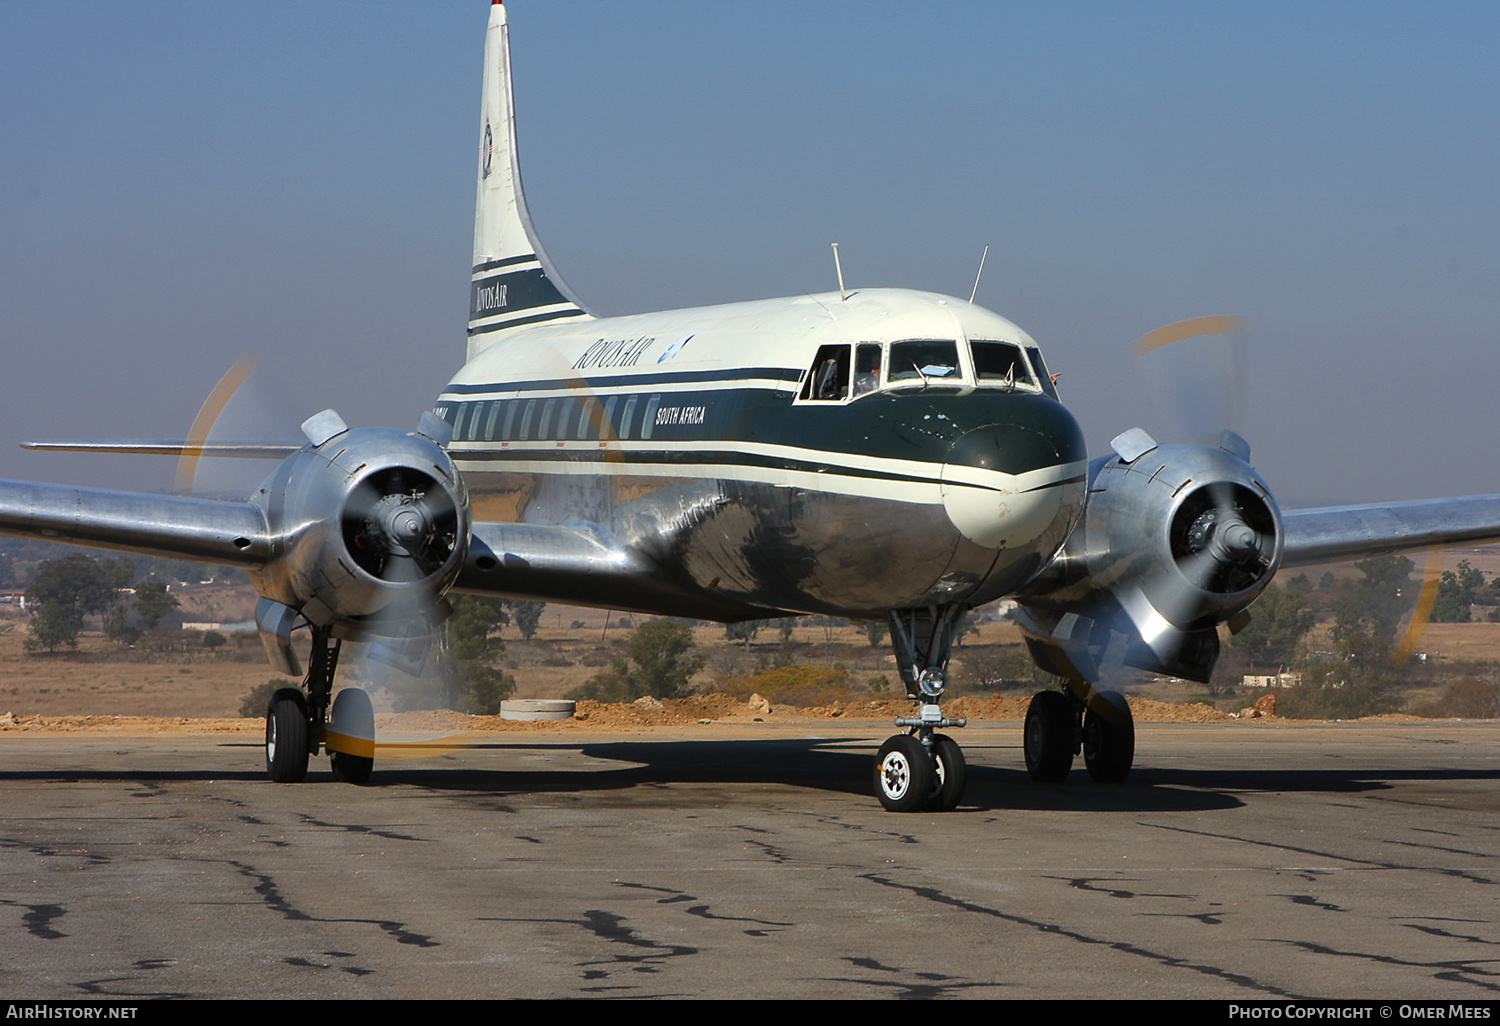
{"type": "Point", "coordinates": [950, 773]}
{"type": "Point", "coordinates": [903, 774]}
{"type": "Point", "coordinates": [1049, 736]}
{"type": "Point", "coordinates": [286, 736]}
{"type": "Point", "coordinates": [353, 719]}
{"type": "Point", "coordinates": [1108, 737]}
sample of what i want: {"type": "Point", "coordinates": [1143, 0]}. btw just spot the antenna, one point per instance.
{"type": "Point", "coordinates": [840, 269]}
{"type": "Point", "coordinates": [975, 291]}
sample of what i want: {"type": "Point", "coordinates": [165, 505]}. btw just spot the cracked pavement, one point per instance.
{"type": "Point", "coordinates": [1331, 860]}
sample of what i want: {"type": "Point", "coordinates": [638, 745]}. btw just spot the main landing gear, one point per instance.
{"type": "Point", "coordinates": [299, 721]}
{"type": "Point", "coordinates": [1059, 725]}
{"type": "Point", "coordinates": [922, 770]}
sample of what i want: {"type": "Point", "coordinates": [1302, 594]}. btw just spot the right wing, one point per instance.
{"type": "Point", "coordinates": [201, 530]}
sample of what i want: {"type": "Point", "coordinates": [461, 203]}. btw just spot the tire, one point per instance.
{"type": "Point", "coordinates": [1108, 737]}
{"type": "Point", "coordinates": [1049, 736]}
{"type": "Point", "coordinates": [904, 774]}
{"type": "Point", "coordinates": [354, 716]}
{"type": "Point", "coordinates": [950, 774]}
{"type": "Point", "coordinates": [286, 736]}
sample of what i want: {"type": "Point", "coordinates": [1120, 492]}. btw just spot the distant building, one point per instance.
{"type": "Point", "coordinates": [1273, 680]}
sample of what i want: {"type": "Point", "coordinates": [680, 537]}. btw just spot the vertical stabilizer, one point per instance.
{"type": "Point", "coordinates": [513, 282]}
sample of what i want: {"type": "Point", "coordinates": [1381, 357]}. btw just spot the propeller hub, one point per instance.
{"type": "Point", "coordinates": [407, 526]}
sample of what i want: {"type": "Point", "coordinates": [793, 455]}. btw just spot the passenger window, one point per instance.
{"type": "Point", "coordinates": [866, 368]}
{"type": "Point", "coordinates": [526, 419]}
{"type": "Point", "coordinates": [924, 360]}
{"type": "Point", "coordinates": [829, 378]}
{"type": "Point", "coordinates": [545, 431]}
{"type": "Point", "coordinates": [608, 420]}
{"type": "Point", "coordinates": [625, 417]}
{"type": "Point", "coordinates": [476, 421]}
{"type": "Point", "coordinates": [585, 417]}
{"type": "Point", "coordinates": [648, 422]}
{"type": "Point", "coordinates": [1000, 363]}
{"type": "Point", "coordinates": [510, 418]}
{"type": "Point", "coordinates": [488, 434]}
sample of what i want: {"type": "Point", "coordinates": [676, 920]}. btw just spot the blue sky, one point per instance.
{"type": "Point", "coordinates": [185, 182]}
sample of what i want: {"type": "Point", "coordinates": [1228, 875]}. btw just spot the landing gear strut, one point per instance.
{"type": "Point", "coordinates": [297, 720]}
{"type": "Point", "coordinates": [922, 770]}
{"type": "Point", "coordinates": [1099, 723]}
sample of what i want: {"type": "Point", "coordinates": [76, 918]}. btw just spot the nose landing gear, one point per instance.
{"type": "Point", "coordinates": [922, 770]}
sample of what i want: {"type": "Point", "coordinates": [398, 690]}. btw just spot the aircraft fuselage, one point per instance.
{"type": "Point", "coordinates": [766, 456]}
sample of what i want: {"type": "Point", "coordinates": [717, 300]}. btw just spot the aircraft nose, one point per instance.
{"type": "Point", "coordinates": [1008, 483]}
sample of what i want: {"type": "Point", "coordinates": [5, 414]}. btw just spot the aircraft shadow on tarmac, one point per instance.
{"type": "Point", "coordinates": [828, 764]}
{"type": "Point", "coordinates": [844, 765]}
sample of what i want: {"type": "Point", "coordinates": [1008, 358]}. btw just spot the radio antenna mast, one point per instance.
{"type": "Point", "coordinates": [975, 290]}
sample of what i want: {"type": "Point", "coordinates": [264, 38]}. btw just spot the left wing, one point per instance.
{"type": "Point", "coordinates": [1337, 533]}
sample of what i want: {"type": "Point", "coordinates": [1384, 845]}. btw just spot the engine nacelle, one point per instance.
{"type": "Point", "coordinates": [370, 528]}
{"type": "Point", "coordinates": [1174, 540]}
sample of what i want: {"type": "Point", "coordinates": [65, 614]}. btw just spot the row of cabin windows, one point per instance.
{"type": "Point", "coordinates": [562, 418]}
{"type": "Point", "coordinates": [844, 371]}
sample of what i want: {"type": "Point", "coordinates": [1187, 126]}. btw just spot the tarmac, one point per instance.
{"type": "Point", "coordinates": [1240, 862]}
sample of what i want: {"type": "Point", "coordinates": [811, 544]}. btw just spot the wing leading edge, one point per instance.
{"type": "Point", "coordinates": [1336, 533]}
{"type": "Point", "coordinates": [201, 530]}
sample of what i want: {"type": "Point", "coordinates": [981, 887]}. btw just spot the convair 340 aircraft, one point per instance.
{"type": "Point", "coordinates": [875, 453]}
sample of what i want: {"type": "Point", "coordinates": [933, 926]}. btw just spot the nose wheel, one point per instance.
{"type": "Point", "coordinates": [917, 775]}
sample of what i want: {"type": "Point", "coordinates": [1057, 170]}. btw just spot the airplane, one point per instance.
{"type": "Point", "coordinates": [870, 453]}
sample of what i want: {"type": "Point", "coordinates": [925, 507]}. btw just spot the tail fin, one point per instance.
{"type": "Point", "coordinates": [514, 282]}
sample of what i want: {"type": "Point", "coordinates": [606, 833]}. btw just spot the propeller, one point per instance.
{"type": "Point", "coordinates": [1200, 376]}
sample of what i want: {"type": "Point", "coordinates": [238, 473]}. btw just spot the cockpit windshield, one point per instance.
{"type": "Point", "coordinates": [924, 360]}
{"type": "Point", "coordinates": [1001, 363]}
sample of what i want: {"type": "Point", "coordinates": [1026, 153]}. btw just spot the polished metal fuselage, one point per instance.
{"type": "Point", "coordinates": [732, 496]}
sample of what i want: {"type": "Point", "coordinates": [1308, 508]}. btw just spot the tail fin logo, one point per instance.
{"type": "Point", "coordinates": [489, 149]}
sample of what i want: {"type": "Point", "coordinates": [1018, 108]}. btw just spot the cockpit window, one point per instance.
{"type": "Point", "coordinates": [934, 359]}
{"type": "Point", "coordinates": [1040, 366]}
{"type": "Point", "coordinates": [1001, 363]}
{"type": "Point", "coordinates": [866, 368]}
{"type": "Point", "coordinates": [829, 378]}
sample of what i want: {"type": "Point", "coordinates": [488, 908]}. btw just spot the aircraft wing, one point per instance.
{"type": "Point", "coordinates": [257, 449]}
{"type": "Point", "coordinates": [203, 530]}
{"type": "Point", "coordinates": [1336, 533]}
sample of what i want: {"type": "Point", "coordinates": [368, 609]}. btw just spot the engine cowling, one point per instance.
{"type": "Point", "coordinates": [1174, 540]}
{"type": "Point", "coordinates": [370, 528]}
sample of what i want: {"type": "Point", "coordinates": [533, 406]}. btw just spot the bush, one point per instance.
{"type": "Point", "coordinates": [1467, 698]}
{"type": "Point", "coordinates": [658, 662]}
{"type": "Point", "coordinates": [254, 705]}
{"type": "Point", "coordinates": [802, 684]}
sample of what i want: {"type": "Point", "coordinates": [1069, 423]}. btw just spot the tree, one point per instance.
{"type": "Point", "coordinates": [66, 590]}
{"type": "Point", "coordinates": [471, 651]}
{"type": "Point", "coordinates": [1279, 620]}
{"type": "Point", "coordinates": [1457, 591]}
{"type": "Point", "coordinates": [744, 632]}
{"type": "Point", "coordinates": [119, 629]}
{"type": "Point", "coordinates": [1359, 682]}
{"type": "Point", "coordinates": [658, 662]}
{"type": "Point", "coordinates": [1384, 593]}
{"type": "Point", "coordinates": [528, 616]}
{"type": "Point", "coordinates": [152, 603]}
{"type": "Point", "coordinates": [875, 631]}
{"type": "Point", "coordinates": [54, 624]}
{"type": "Point", "coordinates": [80, 583]}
